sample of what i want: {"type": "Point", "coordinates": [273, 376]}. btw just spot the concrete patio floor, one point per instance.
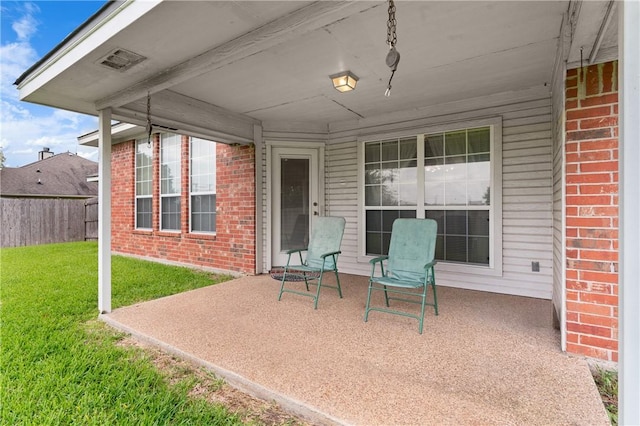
{"type": "Point", "coordinates": [486, 359]}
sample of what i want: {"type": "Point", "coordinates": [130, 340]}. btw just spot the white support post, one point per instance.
{"type": "Point", "coordinates": [104, 211]}
{"type": "Point", "coordinates": [629, 284]}
{"type": "Point", "coordinates": [258, 144]}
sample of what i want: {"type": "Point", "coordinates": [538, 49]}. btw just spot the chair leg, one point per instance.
{"type": "Point", "coordinates": [386, 295]}
{"type": "Point", "coordinates": [338, 281]}
{"type": "Point", "coordinates": [306, 282]}
{"type": "Point", "coordinates": [315, 304]}
{"type": "Point", "coordinates": [424, 299]}
{"type": "Point", "coordinates": [284, 274]}
{"type": "Point", "coordinates": [433, 286]}
{"type": "Point", "coordinates": [366, 309]}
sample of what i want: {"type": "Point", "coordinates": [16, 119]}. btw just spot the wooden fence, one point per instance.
{"type": "Point", "coordinates": [31, 221]}
{"type": "Point", "coordinates": [91, 219]}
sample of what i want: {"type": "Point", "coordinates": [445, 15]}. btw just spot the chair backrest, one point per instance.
{"type": "Point", "coordinates": [413, 245]}
{"type": "Point", "coordinates": [300, 233]}
{"type": "Point", "coordinates": [326, 237]}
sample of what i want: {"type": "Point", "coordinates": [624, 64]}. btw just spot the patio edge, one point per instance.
{"type": "Point", "coordinates": [235, 380]}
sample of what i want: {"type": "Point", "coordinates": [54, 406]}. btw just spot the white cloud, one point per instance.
{"type": "Point", "coordinates": [67, 119]}
{"type": "Point", "coordinates": [15, 59]}
{"type": "Point", "coordinates": [27, 151]}
{"type": "Point", "coordinates": [12, 111]}
{"type": "Point", "coordinates": [27, 25]}
{"type": "Point", "coordinates": [27, 128]}
{"type": "Point", "coordinates": [53, 130]}
{"type": "Point", "coordinates": [88, 152]}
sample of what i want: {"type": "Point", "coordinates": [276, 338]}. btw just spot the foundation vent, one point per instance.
{"type": "Point", "coordinates": [121, 60]}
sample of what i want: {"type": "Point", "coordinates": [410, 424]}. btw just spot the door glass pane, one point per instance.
{"type": "Point", "coordinates": [294, 203]}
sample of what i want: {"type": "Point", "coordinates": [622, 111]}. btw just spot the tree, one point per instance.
{"type": "Point", "coordinates": [2, 158]}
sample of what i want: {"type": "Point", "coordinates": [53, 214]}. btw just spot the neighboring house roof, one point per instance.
{"type": "Point", "coordinates": [61, 175]}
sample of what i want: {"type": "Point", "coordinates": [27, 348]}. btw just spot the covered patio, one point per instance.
{"type": "Point", "coordinates": [486, 359]}
{"type": "Point", "coordinates": [551, 213]}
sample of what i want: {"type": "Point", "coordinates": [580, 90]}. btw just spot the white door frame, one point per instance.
{"type": "Point", "coordinates": [293, 146]}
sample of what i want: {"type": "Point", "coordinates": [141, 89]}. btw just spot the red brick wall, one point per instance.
{"type": "Point", "coordinates": [232, 248]}
{"type": "Point", "coordinates": [592, 211]}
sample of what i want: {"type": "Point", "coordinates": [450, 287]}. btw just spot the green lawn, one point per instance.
{"type": "Point", "coordinates": [607, 382]}
{"type": "Point", "coordinates": [60, 367]}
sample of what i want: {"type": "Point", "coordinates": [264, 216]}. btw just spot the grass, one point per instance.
{"type": "Point", "coordinates": [60, 367]}
{"type": "Point", "coordinates": [607, 383]}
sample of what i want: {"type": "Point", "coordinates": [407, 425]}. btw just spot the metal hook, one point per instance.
{"type": "Point", "coordinates": [387, 92]}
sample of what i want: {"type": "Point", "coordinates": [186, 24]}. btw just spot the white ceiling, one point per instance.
{"type": "Point", "coordinates": [450, 51]}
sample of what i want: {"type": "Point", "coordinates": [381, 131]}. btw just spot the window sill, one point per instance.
{"type": "Point", "coordinates": [174, 234]}
{"type": "Point", "coordinates": [196, 236]}
{"type": "Point", "coordinates": [143, 231]}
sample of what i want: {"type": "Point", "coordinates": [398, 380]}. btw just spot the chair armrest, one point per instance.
{"type": "Point", "coordinates": [373, 263]}
{"type": "Point", "coordinates": [430, 264]}
{"type": "Point", "coordinates": [330, 254]}
{"type": "Point", "coordinates": [296, 250]}
{"type": "Point", "coordinates": [378, 259]}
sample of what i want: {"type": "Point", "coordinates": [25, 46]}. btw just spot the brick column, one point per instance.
{"type": "Point", "coordinates": [592, 211]}
{"type": "Point", "coordinates": [123, 192]}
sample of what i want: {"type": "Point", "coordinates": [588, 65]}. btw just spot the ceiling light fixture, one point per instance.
{"type": "Point", "coordinates": [345, 81]}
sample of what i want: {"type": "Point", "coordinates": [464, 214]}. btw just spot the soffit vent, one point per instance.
{"type": "Point", "coordinates": [121, 60]}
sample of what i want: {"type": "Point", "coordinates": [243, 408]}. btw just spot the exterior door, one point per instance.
{"type": "Point", "coordinates": [295, 201]}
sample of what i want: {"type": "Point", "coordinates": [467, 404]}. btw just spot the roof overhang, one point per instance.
{"type": "Point", "coordinates": [217, 69]}
{"type": "Point", "coordinates": [120, 132]}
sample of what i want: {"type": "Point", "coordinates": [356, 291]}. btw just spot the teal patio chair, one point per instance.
{"type": "Point", "coordinates": [409, 267]}
{"type": "Point", "coordinates": [322, 256]}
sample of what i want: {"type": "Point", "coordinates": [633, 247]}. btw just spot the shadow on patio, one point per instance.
{"type": "Point", "coordinates": [486, 359]}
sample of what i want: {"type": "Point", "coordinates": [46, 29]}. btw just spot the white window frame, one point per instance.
{"type": "Point", "coordinates": [192, 193]}
{"type": "Point", "coordinates": [137, 197]}
{"type": "Point", "coordinates": [178, 194]}
{"type": "Point", "coordinates": [495, 210]}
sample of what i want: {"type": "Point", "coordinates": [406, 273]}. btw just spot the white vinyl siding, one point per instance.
{"type": "Point", "coordinates": [526, 227]}
{"type": "Point", "coordinates": [559, 237]}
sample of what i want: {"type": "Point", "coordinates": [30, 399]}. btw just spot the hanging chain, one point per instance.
{"type": "Point", "coordinates": [149, 126]}
{"type": "Point", "coordinates": [393, 57]}
{"type": "Point", "coordinates": [391, 25]}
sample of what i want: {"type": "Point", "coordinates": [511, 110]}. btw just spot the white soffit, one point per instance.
{"type": "Point", "coordinates": [449, 51]}
{"type": "Point", "coordinates": [78, 80]}
{"type": "Point", "coordinates": [596, 33]}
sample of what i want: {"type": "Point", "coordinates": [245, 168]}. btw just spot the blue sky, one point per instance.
{"type": "Point", "coordinates": [29, 31]}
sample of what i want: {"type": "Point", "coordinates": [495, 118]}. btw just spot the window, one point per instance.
{"type": "Point", "coordinates": [144, 167]}
{"type": "Point", "coordinates": [170, 182]}
{"type": "Point", "coordinates": [457, 193]}
{"type": "Point", "coordinates": [444, 175]}
{"type": "Point", "coordinates": [390, 188]}
{"type": "Point", "coordinates": [203, 185]}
